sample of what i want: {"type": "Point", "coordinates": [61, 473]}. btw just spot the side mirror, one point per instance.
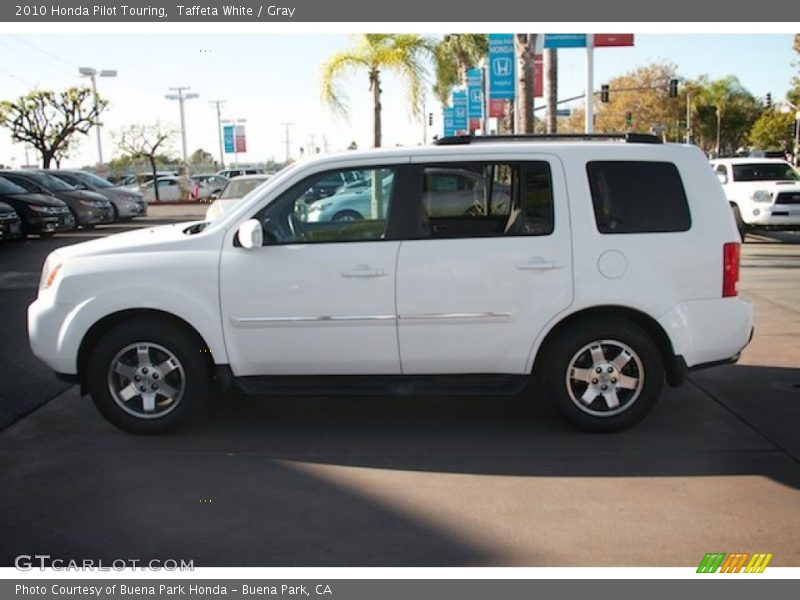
{"type": "Point", "coordinates": [251, 234]}
{"type": "Point", "coordinates": [723, 179]}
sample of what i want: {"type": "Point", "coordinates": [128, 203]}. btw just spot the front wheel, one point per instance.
{"type": "Point", "coordinates": [148, 376]}
{"type": "Point", "coordinates": [740, 224]}
{"type": "Point", "coordinates": [603, 374]}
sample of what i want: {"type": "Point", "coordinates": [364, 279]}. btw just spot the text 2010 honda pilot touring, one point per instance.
{"type": "Point", "coordinates": [600, 267]}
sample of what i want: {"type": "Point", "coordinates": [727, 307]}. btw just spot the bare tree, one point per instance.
{"type": "Point", "coordinates": [145, 141]}
{"type": "Point", "coordinates": [48, 121]}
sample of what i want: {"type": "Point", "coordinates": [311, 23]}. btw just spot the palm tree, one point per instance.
{"type": "Point", "coordinates": [402, 54]}
{"type": "Point", "coordinates": [525, 45]}
{"type": "Point", "coordinates": [456, 54]}
{"type": "Point", "coordinates": [721, 95]}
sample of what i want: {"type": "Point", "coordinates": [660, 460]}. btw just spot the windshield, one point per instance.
{"type": "Point", "coordinates": [765, 172]}
{"type": "Point", "coordinates": [9, 187]}
{"type": "Point", "coordinates": [92, 180]}
{"type": "Point", "coordinates": [49, 182]}
{"type": "Point", "coordinates": [238, 188]}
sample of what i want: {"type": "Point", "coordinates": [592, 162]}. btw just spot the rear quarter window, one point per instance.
{"type": "Point", "coordinates": [638, 197]}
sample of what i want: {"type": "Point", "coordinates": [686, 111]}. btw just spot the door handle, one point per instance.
{"type": "Point", "coordinates": [364, 271]}
{"type": "Point", "coordinates": [539, 264]}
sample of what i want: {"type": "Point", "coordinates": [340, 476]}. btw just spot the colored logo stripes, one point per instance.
{"type": "Point", "coordinates": [734, 563]}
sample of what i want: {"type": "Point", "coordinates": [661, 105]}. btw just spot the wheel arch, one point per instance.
{"type": "Point", "coordinates": [101, 327]}
{"type": "Point", "coordinates": [674, 365]}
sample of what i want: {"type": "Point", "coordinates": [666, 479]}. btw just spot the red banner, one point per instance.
{"type": "Point", "coordinates": [474, 125]}
{"type": "Point", "coordinates": [613, 39]}
{"type": "Point", "coordinates": [538, 76]}
{"type": "Point", "coordinates": [239, 139]}
{"type": "Point", "coordinates": [497, 108]}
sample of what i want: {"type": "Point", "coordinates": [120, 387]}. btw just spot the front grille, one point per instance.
{"type": "Point", "coordinates": [8, 216]}
{"type": "Point", "coordinates": [788, 198]}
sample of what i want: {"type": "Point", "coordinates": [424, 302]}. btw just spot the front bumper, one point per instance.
{"type": "Point", "coordinates": [10, 229]}
{"type": "Point", "coordinates": [95, 215]}
{"type": "Point", "coordinates": [777, 216]}
{"type": "Point", "coordinates": [46, 319]}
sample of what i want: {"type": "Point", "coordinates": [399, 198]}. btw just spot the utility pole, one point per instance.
{"type": "Point", "coordinates": [181, 98]}
{"type": "Point", "coordinates": [286, 140]}
{"type": "Point", "coordinates": [688, 118]}
{"type": "Point", "coordinates": [218, 104]}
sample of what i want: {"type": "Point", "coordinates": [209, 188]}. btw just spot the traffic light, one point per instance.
{"type": "Point", "coordinates": [628, 118]}
{"type": "Point", "coordinates": [768, 100]}
{"type": "Point", "coordinates": [603, 93]}
{"type": "Point", "coordinates": [430, 119]}
{"type": "Point", "coordinates": [673, 88]}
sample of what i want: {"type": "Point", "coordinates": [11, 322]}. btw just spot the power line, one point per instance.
{"type": "Point", "coordinates": [43, 51]}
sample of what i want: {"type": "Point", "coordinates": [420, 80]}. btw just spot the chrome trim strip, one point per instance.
{"type": "Point", "coordinates": [464, 315]}
{"type": "Point", "coordinates": [245, 321]}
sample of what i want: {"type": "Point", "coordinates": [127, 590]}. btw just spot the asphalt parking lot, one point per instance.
{"type": "Point", "coordinates": [420, 481]}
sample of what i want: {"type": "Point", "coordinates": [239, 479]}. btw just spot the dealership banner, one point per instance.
{"type": "Point", "coordinates": [342, 11]}
{"type": "Point", "coordinates": [502, 85]}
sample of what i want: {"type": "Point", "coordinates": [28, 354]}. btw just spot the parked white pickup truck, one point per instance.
{"type": "Point", "coordinates": [763, 193]}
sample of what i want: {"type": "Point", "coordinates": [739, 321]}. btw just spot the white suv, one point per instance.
{"type": "Point", "coordinates": [763, 193]}
{"type": "Point", "coordinates": [599, 268]}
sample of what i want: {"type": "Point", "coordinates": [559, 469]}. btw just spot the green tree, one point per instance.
{"type": "Point", "coordinates": [145, 142]}
{"type": "Point", "coordinates": [401, 54]}
{"type": "Point", "coordinates": [732, 106]}
{"type": "Point", "coordinates": [453, 57]}
{"type": "Point", "coordinates": [201, 157]}
{"type": "Point", "coordinates": [773, 131]}
{"type": "Point", "coordinates": [48, 121]}
{"type": "Point", "coordinates": [794, 93]}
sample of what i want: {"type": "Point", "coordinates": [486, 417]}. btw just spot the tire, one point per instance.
{"type": "Point", "coordinates": [160, 354]}
{"type": "Point", "coordinates": [347, 215]}
{"type": "Point", "coordinates": [740, 224]}
{"type": "Point", "coordinates": [570, 366]}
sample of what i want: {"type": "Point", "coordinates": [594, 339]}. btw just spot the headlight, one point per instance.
{"type": "Point", "coordinates": [49, 272]}
{"type": "Point", "coordinates": [92, 203]}
{"type": "Point", "coordinates": [319, 206]}
{"type": "Point", "coordinates": [761, 196]}
{"type": "Point", "coordinates": [44, 210]}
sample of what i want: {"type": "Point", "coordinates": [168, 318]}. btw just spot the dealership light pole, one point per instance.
{"type": "Point", "coordinates": [286, 140]}
{"type": "Point", "coordinates": [181, 98]}
{"type": "Point", "coordinates": [92, 74]}
{"type": "Point", "coordinates": [219, 103]}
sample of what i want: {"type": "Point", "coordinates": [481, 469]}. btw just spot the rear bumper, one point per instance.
{"type": "Point", "coordinates": [709, 331]}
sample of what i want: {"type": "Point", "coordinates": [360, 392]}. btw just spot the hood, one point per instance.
{"type": "Point", "coordinates": [153, 239]}
{"type": "Point", "coordinates": [37, 199]}
{"type": "Point", "coordinates": [770, 186]}
{"type": "Point", "coordinates": [85, 195]}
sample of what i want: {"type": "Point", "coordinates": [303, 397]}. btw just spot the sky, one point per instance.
{"type": "Point", "coordinates": [269, 79]}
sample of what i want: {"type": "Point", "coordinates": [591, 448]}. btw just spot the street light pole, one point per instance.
{"type": "Point", "coordinates": [92, 74]}
{"type": "Point", "coordinates": [286, 140]}
{"type": "Point", "coordinates": [219, 103]}
{"type": "Point", "coordinates": [181, 98]}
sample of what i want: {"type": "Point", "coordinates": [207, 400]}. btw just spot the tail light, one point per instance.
{"type": "Point", "coordinates": [730, 269]}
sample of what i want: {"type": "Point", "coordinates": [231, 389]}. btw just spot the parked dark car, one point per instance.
{"type": "Point", "coordinates": [10, 223]}
{"type": "Point", "coordinates": [41, 214]}
{"type": "Point", "coordinates": [88, 208]}
{"type": "Point", "coordinates": [125, 203]}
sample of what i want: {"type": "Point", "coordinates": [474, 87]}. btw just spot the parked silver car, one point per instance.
{"type": "Point", "coordinates": [125, 202]}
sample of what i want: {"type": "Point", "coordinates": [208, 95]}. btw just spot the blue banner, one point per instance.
{"type": "Point", "coordinates": [565, 40]}
{"type": "Point", "coordinates": [460, 111]}
{"type": "Point", "coordinates": [227, 138]}
{"type": "Point", "coordinates": [474, 93]}
{"type": "Point", "coordinates": [501, 66]}
{"type": "Point", "coordinates": [449, 122]}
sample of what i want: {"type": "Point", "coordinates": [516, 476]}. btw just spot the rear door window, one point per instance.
{"type": "Point", "coordinates": [638, 197]}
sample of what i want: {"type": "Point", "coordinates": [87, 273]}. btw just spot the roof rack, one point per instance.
{"type": "Point", "coordinates": [631, 138]}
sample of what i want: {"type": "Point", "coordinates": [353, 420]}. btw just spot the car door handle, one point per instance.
{"type": "Point", "coordinates": [364, 271]}
{"type": "Point", "coordinates": [539, 264]}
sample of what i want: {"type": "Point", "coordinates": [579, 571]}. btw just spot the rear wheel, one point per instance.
{"type": "Point", "coordinates": [148, 375]}
{"type": "Point", "coordinates": [603, 374]}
